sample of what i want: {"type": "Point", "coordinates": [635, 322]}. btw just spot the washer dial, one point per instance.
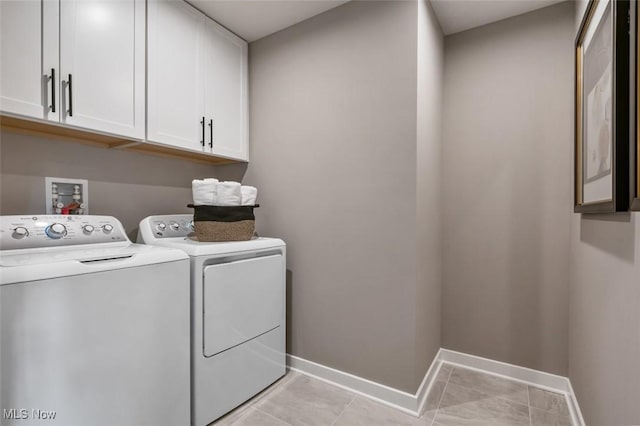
{"type": "Point", "coordinates": [56, 231]}
{"type": "Point", "coordinates": [20, 232]}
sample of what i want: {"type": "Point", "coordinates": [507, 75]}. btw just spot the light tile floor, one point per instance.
{"type": "Point", "coordinates": [458, 397]}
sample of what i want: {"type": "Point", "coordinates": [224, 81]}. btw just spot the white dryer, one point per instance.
{"type": "Point", "coordinates": [237, 314]}
{"type": "Point", "coordinates": [94, 330]}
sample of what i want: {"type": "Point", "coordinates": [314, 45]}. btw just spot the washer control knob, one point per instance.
{"type": "Point", "coordinates": [87, 229]}
{"type": "Point", "coordinates": [56, 231]}
{"type": "Point", "coordinates": [161, 226]}
{"type": "Point", "coordinates": [174, 226]}
{"type": "Point", "coordinates": [107, 228]}
{"type": "Point", "coordinates": [20, 232]}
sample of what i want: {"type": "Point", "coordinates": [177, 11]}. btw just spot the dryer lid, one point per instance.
{"type": "Point", "coordinates": [193, 247]}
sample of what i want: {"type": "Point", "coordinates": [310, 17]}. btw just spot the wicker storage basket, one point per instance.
{"type": "Point", "coordinates": [223, 223]}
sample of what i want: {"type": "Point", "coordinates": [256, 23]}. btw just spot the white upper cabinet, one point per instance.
{"type": "Point", "coordinates": [79, 62]}
{"type": "Point", "coordinates": [29, 74]}
{"type": "Point", "coordinates": [196, 82]}
{"type": "Point", "coordinates": [226, 92]}
{"type": "Point", "coordinates": [102, 65]}
{"type": "Point", "coordinates": [158, 70]}
{"type": "Point", "coordinates": [174, 78]}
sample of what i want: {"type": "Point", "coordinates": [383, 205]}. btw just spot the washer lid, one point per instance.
{"type": "Point", "coordinates": [32, 264]}
{"type": "Point", "coordinates": [193, 247]}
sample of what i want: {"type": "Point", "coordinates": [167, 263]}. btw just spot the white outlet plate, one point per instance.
{"type": "Point", "coordinates": [65, 191]}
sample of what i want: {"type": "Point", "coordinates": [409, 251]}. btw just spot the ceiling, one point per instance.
{"type": "Point", "coordinates": [254, 19]}
{"type": "Point", "coordinates": [461, 15]}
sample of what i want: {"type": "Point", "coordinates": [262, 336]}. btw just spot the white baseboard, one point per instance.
{"type": "Point", "coordinates": [414, 403]}
{"type": "Point", "coordinates": [395, 398]}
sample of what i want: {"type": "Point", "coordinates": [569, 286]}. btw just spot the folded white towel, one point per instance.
{"type": "Point", "coordinates": [249, 195]}
{"type": "Point", "coordinates": [205, 192]}
{"type": "Point", "coordinates": [229, 194]}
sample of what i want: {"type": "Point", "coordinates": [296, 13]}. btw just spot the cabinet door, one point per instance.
{"type": "Point", "coordinates": [226, 92]}
{"type": "Point", "coordinates": [102, 47]}
{"type": "Point", "coordinates": [29, 45]}
{"type": "Point", "coordinates": [174, 79]}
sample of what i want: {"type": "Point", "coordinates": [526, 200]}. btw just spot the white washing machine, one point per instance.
{"type": "Point", "coordinates": [237, 314]}
{"type": "Point", "coordinates": [94, 330]}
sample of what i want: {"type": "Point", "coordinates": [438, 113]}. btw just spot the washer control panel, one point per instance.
{"type": "Point", "coordinates": [171, 226]}
{"type": "Point", "coordinates": [22, 232]}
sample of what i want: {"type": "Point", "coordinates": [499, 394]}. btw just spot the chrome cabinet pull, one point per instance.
{"type": "Point", "coordinates": [70, 85]}
{"type": "Point", "coordinates": [53, 90]}
{"type": "Point", "coordinates": [202, 123]}
{"type": "Point", "coordinates": [211, 131]}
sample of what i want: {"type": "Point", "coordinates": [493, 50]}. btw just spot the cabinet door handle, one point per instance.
{"type": "Point", "coordinates": [202, 123]}
{"type": "Point", "coordinates": [70, 85]}
{"type": "Point", "coordinates": [53, 90]}
{"type": "Point", "coordinates": [211, 132]}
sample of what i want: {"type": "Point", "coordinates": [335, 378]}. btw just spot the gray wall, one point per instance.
{"type": "Point", "coordinates": [429, 186]}
{"type": "Point", "coordinates": [334, 138]}
{"type": "Point", "coordinates": [508, 100]}
{"type": "Point", "coordinates": [127, 185]}
{"type": "Point", "coordinates": [604, 325]}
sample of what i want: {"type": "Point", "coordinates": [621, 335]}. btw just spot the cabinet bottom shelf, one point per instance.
{"type": "Point", "coordinates": [54, 130]}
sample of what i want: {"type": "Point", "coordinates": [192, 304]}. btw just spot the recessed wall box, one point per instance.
{"type": "Point", "coordinates": [66, 196]}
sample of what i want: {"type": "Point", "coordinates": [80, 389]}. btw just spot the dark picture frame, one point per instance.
{"type": "Point", "coordinates": [635, 202]}
{"type": "Point", "coordinates": [601, 156]}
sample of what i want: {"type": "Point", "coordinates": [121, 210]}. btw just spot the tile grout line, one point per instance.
{"type": "Point", "coordinates": [498, 397]}
{"type": "Point", "coordinates": [236, 414]}
{"type": "Point", "coordinates": [502, 396]}
{"type": "Point", "coordinates": [273, 417]}
{"type": "Point", "coordinates": [554, 413]}
{"type": "Point", "coordinates": [270, 392]}
{"type": "Point", "coordinates": [433, 421]}
{"type": "Point", "coordinates": [344, 409]}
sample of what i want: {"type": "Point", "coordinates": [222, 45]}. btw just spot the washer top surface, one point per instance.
{"type": "Point", "coordinates": [46, 247]}
{"type": "Point", "coordinates": [87, 255]}
{"type": "Point", "coordinates": [175, 231]}
{"type": "Point", "coordinates": [193, 247]}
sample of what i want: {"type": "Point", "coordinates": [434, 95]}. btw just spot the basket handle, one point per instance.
{"type": "Point", "coordinates": [191, 206]}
